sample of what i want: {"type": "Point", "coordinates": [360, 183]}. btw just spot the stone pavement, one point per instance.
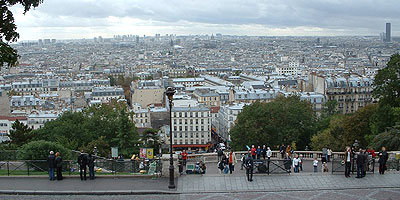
{"type": "Point", "coordinates": [352, 194]}
{"type": "Point", "coordinates": [73, 185]}
{"type": "Point", "coordinates": [277, 183]}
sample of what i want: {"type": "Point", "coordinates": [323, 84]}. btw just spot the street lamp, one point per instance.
{"type": "Point", "coordinates": [170, 93]}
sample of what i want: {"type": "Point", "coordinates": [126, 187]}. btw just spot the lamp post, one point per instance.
{"type": "Point", "coordinates": [170, 93]}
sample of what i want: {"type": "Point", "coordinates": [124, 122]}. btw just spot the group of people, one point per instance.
{"type": "Point", "coordinates": [259, 152]}
{"type": "Point", "coordinates": [55, 164]}
{"type": "Point", "coordinates": [85, 160]}
{"type": "Point", "coordinates": [362, 161]}
{"type": "Point", "coordinates": [227, 162]}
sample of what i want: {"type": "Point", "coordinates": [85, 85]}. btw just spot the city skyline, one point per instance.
{"type": "Point", "coordinates": [88, 19]}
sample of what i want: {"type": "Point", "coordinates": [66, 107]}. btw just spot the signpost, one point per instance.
{"type": "Point", "coordinates": [114, 152]}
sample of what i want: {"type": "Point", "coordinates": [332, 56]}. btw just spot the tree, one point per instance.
{"type": "Point", "coordinates": [20, 133]}
{"type": "Point", "coordinates": [387, 83]}
{"type": "Point", "coordinates": [150, 139]}
{"type": "Point", "coordinates": [8, 32]}
{"type": "Point", "coordinates": [286, 119]}
{"type": "Point", "coordinates": [358, 126]}
{"type": "Point", "coordinates": [331, 137]}
{"type": "Point", "coordinates": [39, 150]}
{"type": "Point", "coordinates": [102, 126]}
{"type": "Point", "coordinates": [390, 139]}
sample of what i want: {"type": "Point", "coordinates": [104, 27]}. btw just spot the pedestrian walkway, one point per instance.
{"type": "Point", "coordinates": [73, 185]}
{"type": "Point", "coordinates": [276, 183]}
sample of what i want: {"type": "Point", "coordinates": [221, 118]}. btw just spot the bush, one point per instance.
{"type": "Point", "coordinates": [39, 150]}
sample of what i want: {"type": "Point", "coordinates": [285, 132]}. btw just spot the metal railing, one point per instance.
{"type": "Point", "coordinates": [338, 165]}
{"type": "Point", "coordinates": [102, 167]}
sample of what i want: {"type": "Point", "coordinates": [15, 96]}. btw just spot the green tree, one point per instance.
{"type": "Point", "coordinates": [387, 83]}
{"type": "Point", "coordinates": [331, 137]}
{"type": "Point", "coordinates": [8, 29]}
{"type": "Point", "coordinates": [358, 126]}
{"type": "Point", "coordinates": [20, 133]}
{"type": "Point", "coordinates": [390, 139]}
{"type": "Point", "coordinates": [284, 120]}
{"type": "Point", "coordinates": [39, 150]}
{"type": "Point", "coordinates": [103, 125]}
{"type": "Point", "coordinates": [150, 139]}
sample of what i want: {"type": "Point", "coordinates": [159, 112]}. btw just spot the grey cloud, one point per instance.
{"type": "Point", "coordinates": [346, 14]}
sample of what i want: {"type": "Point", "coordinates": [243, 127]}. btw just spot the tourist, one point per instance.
{"type": "Point", "coordinates": [253, 151]}
{"type": "Point", "coordinates": [82, 162]}
{"type": "Point", "coordinates": [249, 164]}
{"type": "Point", "coordinates": [383, 157]}
{"type": "Point", "coordinates": [51, 162]}
{"type": "Point", "coordinates": [315, 164]}
{"type": "Point", "coordinates": [282, 150]}
{"type": "Point", "coordinates": [259, 150]}
{"type": "Point", "coordinates": [289, 151]}
{"type": "Point", "coordinates": [329, 154]}
{"type": "Point", "coordinates": [325, 154]}
{"type": "Point", "coordinates": [264, 151]}
{"type": "Point", "coordinates": [222, 163]}
{"type": "Point", "coordinates": [366, 161]}
{"type": "Point", "coordinates": [348, 159]}
{"type": "Point", "coordinates": [296, 164]}
{"type": "Point", "coordinates": [203, 167]}
{"type": "Point", "coordinates": [269, 153]}
{"type": "Point", "coordinates": [59, 166]}
{"type": "Point", "coordinates": [225, 161]}
{"type": "Point", "coordinates": [301, 162]}
{"type": "Point", "coordinates": [232, 161]}
{"type": "Point", "coordinates": [91, 160]}
{"type": "Point", "coordinates": [220, 153]}
{"type": "Point", "coordinates": [184, 157]}
{"type": "Point", "coordinates": [360, 164]}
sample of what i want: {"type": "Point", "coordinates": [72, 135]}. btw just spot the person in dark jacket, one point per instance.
{"type": "Point", "coordinates": [282, 150]}
{"type": "Point", "coordinates": [348, 159]}
{"type": "Point", "coordinates": [360, 160]}
{"type": "Point", "coordinates": [51, 162]}
{"type": "Point", "coordinates": [82, 162]}
{"type": "Point", "coordinates": [59, 166]}
{"type": "Point", "coordinates": [383, 157]}
{"type": "Point", "coordinates": [258, 151]}
{"type": "Point", "coordinates": [249, 164]}
{"type": "Point", "coordinates": [91, 160]}
{"type": "Point", "coordinates": [264, 151]}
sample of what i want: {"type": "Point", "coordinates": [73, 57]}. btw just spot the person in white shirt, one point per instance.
{"type": "Point", "coordinates": [296, 163]}
{"type": "Point", "coordinates": [315, 164]}
{"type": "Point", "coordinates": [269, 153]}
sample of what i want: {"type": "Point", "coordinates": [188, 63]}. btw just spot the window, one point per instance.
{"type": "Point", "coordinates": [180, 128]}
{"type": "Point", "coordinates": [197, 128]}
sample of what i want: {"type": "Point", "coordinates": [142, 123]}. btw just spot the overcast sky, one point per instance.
{"type": "Point", "coordinates": [65, 19]}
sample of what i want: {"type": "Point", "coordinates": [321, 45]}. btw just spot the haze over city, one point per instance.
{"type": "Point", "coordinates": [77, 19]}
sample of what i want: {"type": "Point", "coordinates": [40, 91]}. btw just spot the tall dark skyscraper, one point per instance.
{"type": "Point", "coordinates": [388, 30]}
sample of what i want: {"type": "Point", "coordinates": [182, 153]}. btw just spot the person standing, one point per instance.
{"type": "Point", "coordinates": [91, 160]}
{"type": "Point", "coordinates": [82, 162]}
{"type": "Point", "coordinates": [360, 164]}
{"type": "Point", "coordinates": [253, 151]}
{"type": "Point", "coordinates": [301, 162]}
{"type": "Point", "coordinates": [282, 150]}
{"type": "Point", "coordinates": [220, 153]}
{"type": "Point", "coordinates": [232, 161]}
{"type": "Point", "coordinates": [269, 153]}
{"type": "Point", "coordinates": [259, 151]}
{"type": "Point", "coordinates": [329, 155]}
{"type": "Point", "coordinates": [264, 151]}
{"type": "Point", "coordinates": [249, 164]}
{"type": "Point", "coordinates": [325, 153]}
{"type": "Point", "coordinates": [315, 164]}
{"type": "Point", "coordinates": [59, 166]}
{"type": "Point", "coordinates": [287, 163]}
{"type": "Point", "coordinates": [383, 157]}
{"type": "Point", "coordinates": [184, 157]}
{"type": "Point", "coordinates": [51, 162]}
{"type": "Point", "coordinates": [289, 150]}
{"type": "Point", "coordinates": [348, 159]}
{"type": "Point", "coordinates": [296, 164]}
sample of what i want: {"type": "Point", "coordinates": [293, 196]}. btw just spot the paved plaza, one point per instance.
{"type": "Point", "coordinates": [210, 186]}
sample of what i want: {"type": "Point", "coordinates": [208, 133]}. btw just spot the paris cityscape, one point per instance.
{"type": "Point", "coordinates": [167, 114]}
